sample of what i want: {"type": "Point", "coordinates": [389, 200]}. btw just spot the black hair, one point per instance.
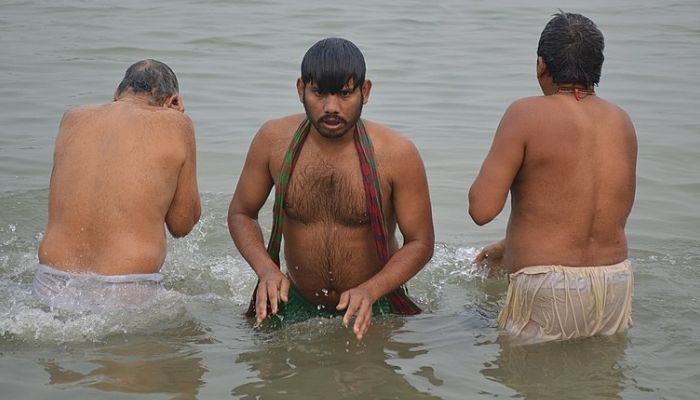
{"type": "Point", "coordinates": [572, 48]}
{"type": "Point", "coordinates": [331, 63]}
{"type": "Point", "coordinates": [151, 77]}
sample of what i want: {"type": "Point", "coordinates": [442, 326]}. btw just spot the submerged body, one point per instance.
{"type": "Point", "coordinates": [568, 159]}
{"type": "Point", "coordinates": [339, 241]}
{"type": "Point", "coordinates": [553, 302]}
{"type": "Point", "coordinates": [122, 172]}
{"type": "Point", "coordinates": [329, 245]}
{"type": "Point", "coordinates": [80, 292]}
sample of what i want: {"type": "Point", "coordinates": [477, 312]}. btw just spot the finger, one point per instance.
{"type": "Point", "coordinates": [482, 256]}
{"type": "Point", "coordinates": [343, 302]}
{"type": "Point", "coordinates": [284, 290]}
{"type": "Point", "coordinates": [351, 311]}
{"type": "Point", "coordinates": [362, 323]}
{"type": "Point", "coordinates": [272, 296]}
{"type": "Point", "coordinates": [261, 303]}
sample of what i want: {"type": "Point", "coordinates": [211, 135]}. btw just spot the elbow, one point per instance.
{"type": "Point", "coordinates": [430, 249]}
{"type": "Point", "coordinates": [182, 227]}
{"type": "Point", "coordinates": [180, 230]}
{"type": "Point", "coordinates": [479, 218]}
{"type": "Point", "coordinates": [178, 233]}
{"type": "Point", "coordinates": [482, 214]}
{"type": "Point", "coordinates": [427, 248]}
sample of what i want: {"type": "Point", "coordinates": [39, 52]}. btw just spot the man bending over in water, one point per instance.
{"type": "Point", "coordinates": [122, 171]}
{"type": "Point", "coordinates": [568, 159]}
{"type": "Point", "coordinates": [342, 185]}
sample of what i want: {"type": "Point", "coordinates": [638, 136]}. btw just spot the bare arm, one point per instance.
{"type": "Point", "coordinates": [185, 208]}
{"type": "Point", "coordinates": [411, 203]}
{"type": "Point", "coordinates": [251, 192]}
{"type": "Point", "coordinates": [489, 192]}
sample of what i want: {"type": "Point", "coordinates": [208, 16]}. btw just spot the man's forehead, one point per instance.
{"type": "Point", "coordinates": [350, 84]}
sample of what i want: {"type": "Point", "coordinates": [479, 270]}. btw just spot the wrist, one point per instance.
{"type": "Point", "coordinates": [372, 290]}
{"type": "Point", "coordinates": [266, 269]}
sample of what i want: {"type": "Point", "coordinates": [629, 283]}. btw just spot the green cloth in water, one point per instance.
{"type": "Point", "coordinates": [299, 309]}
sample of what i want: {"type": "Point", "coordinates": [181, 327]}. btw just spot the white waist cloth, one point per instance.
{"type": "Point", "coordinates": [554, 302]}
{"type": "Point", "coordinates": [91, 292]}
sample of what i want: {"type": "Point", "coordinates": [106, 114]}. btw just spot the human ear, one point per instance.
{"type": "Point", "coordinates": [175, 102]}
{"type": "Point", "coordinates": [541, 67]}
{"type": "Point", "coordinates": [366, 89]}
{"type": "Point", "coordinates": [300, 89]}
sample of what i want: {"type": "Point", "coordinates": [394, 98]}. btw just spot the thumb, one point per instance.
{"type": "Point", "coordinates": [343, 303]}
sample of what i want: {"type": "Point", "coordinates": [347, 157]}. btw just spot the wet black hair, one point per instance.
{"type": "Point", "coordinates": [572, 47]}
{"type": "Point", "coordinates": [151, 77]}
{"type": "Point", "coordinates": [331, 63]}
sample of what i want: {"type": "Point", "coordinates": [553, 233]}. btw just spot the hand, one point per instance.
{"type": "Point", "coordinates": [273, 286]}
{"type": "Point", "coordinates": [358, 302]}
{"type": "Point", "coordinates": [492, 255]}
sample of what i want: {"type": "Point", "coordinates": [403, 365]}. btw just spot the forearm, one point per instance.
{"type": "Point", "coordinates": [247, 236]}
{"type": "Point", "coordinates": [401, 267]}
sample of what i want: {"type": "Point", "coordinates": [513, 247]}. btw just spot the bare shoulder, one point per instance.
{"type": "Point", "coordinates": [389, 142]}
{"type": "Point", "coordinates": [528, 107]}
{"type": "Point", "coordinates": [616, 111]}
{"type": "Point", "coordinates": [527, 118]}
{"type": "Point", "coordinates": [175, 119]}
{"type": "Point", "coordinates": [397, 156]}
{"type": "Point", "coordinates": [80, 113]}
{"type": "Point", "coordinates": [277, 131]}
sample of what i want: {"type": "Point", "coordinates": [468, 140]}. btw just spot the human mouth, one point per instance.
{"type": "Point", "coordinates": [332, 123]}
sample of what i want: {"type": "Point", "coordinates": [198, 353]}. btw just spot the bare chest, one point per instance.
{"type": "Point", "coordinates": [328, 192]}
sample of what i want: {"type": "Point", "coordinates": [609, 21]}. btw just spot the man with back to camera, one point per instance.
{"type": "Point", "coordinates": [342, 186]}
{"type": "Point", "coordinates": [568, 159]}
{"type": "Point", "coordinates": [121, 172]}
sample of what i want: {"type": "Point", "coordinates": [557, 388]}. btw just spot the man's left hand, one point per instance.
{"type": "Point", "coordinates": [358, 302]}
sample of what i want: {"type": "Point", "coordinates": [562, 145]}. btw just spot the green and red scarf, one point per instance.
{"type": "Point", "coordinates": [398, 298]}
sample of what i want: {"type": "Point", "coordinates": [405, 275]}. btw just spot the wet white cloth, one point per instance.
{"type": "Point", "coordinates": [80, 292]}
{"type": "Point", "coordinates": [554, 302]}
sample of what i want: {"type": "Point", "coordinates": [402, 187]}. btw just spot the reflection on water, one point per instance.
{"type": "Point", "coordinates": [143, 367]}
{"type": "Point", "coordinates": [320, 359]}
{"type": "Point", "coordinates": [581, 369]}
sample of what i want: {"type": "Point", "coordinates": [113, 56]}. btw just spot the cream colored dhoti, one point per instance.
{"type": "Point", "coordinates": [553, 302]}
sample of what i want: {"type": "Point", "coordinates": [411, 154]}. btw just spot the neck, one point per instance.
{"type": "Point", "coordinates": [578, 91]}
{"type": "Point", "coordinates": [138, 100]}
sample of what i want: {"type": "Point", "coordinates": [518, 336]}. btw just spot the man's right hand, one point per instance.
{"type": "Point", "coordinates": [272, 287]}
{"type": "Point", "coordinates": [492, 256]}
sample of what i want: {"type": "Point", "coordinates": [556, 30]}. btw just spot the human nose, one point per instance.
{"type": "Point", "coordinates": [331, 105]}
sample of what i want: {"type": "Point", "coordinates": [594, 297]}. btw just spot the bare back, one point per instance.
{"type": "Point", "coordinates": [120, 171]}
{"type": "Point", "coordinates": [572, 168]}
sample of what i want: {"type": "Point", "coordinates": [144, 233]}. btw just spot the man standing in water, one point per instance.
{"type": "Point", "coordinates": [121, 172]}
{"type": "Point", "coordinates": [342, 186]}
{"type": "Point", "coordinates": [568, 159]}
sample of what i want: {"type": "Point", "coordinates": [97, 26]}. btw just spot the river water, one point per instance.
{"type": "Point", "coordinates": [443, 74]}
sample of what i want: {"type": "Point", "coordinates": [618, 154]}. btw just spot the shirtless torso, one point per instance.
{"type": "Point", "coordinates": [570, 167]}
{"type": "Point", "coordinates": [328, 242]}
{"type": "Point", "coordinates": [329, 246]}
{"type": "Point", "coordinates": [121, 170]}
